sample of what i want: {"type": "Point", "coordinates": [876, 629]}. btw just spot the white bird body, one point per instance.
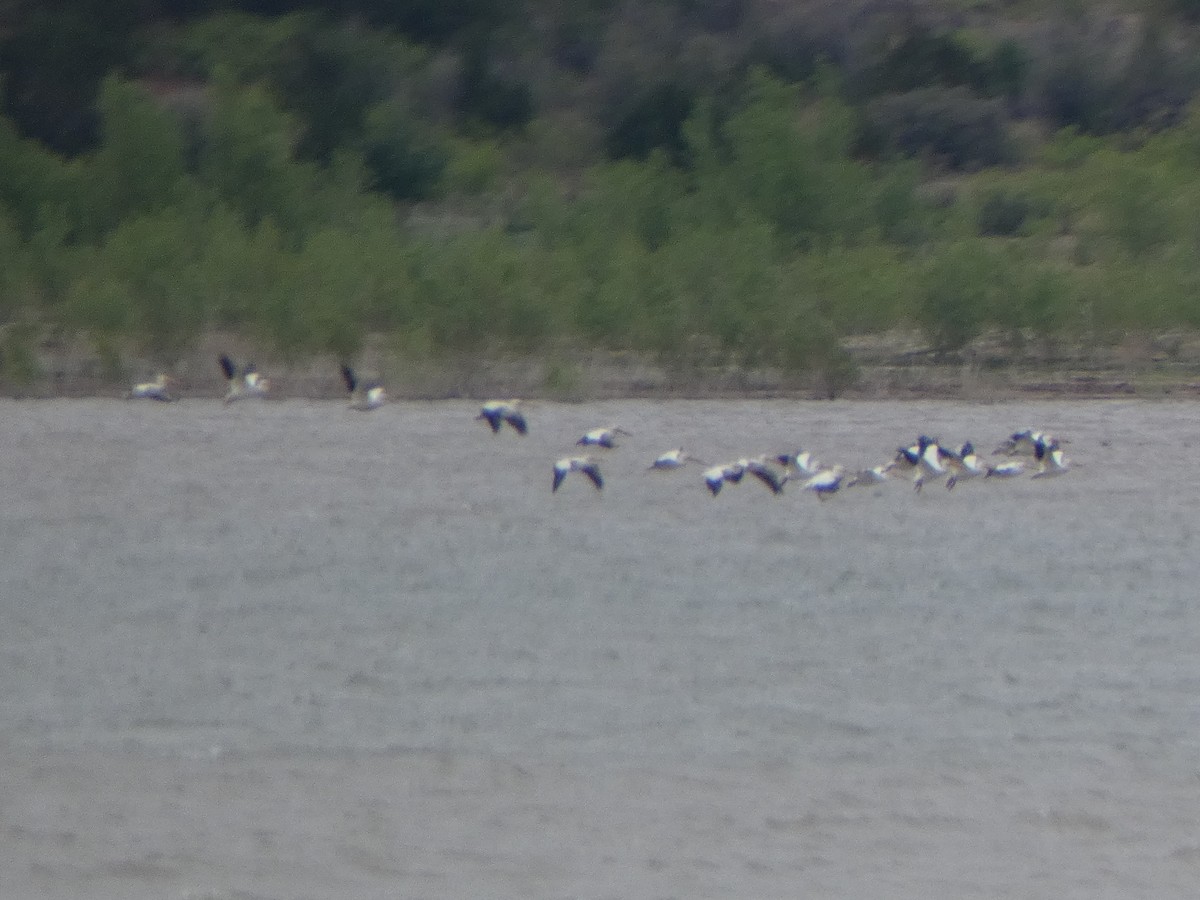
{"type": "Point", "coordinates": [584, 464]}
{"type": "Point", "coordinates": [674, 459]}
{"type": "Point", "coordinates": [767, 470]}
{"type": "Point", "coordinates": [1025, 443]}
{"type": "Point", "coordinates": [1010, 469]}
{"type": "Point", "coordinates": [602, 437]}
{"type": "Point", "coordinates": [716, 476]}
{"type": "Point", "coordinates": [873, 475]}
{"type": "Point", "coordinates": [803, 461]}
{"type": "Point", "coordinates": [158, 389]}
{"type": "Point", "coordinates": [826, 482]}
{"type": "Point", "coordinates": [364, 395]}
{"type": "Point", "coordinates": [497, 412]}
{"type": "Point", "coordinates": [964, 464]}
{"type": "Point", "coordinates": [930, 467]}
{"type": "Point", "coordinates": [243, 383]}
{"type": "Point", "coordinates": [1052, 462]}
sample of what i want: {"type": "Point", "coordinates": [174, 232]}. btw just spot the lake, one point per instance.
{"type": "Point", "coordinates": [286, 650]}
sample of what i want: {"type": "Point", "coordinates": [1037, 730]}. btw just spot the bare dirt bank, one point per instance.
{"type": "Point", "coordinates": [897, 365]}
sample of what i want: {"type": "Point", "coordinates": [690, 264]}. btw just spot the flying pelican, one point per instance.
{"type": "Point", "coordinates": [966, 463]}
{"type": "Point", "coordinates": [364, 395]}
{"type": "Point", "coordinates": [873, 475]}
{"type": "Point", "coordinates": [930, 467]}
{"type": "Point", "coordinates": [497, 412]}
{"type": "Point", "coordinates": [1050, 462]}
{"type": "Point", "coordinates": [675, 459]}
{"type": "Point", "coordinates": [1010, 469]}
{"type": "Point", "coordinates": [803, 461]}
{"type": "Point", "coordinates": [602, 437]}
{"type": "Point", "coordinates": [825, 482]}
{"type": "Point", "coordinates": [244, 383]}
{"type": "Point", "coordinates": [584, 464]}
{"type": "Point", "coordinates": [158, 389]}
{"type": "Point", "coordinates": [764, 470]}
{"type": "Point", "coordinates": [1025, 443]}
{"type": "Point", "coordinates": [716, 476]}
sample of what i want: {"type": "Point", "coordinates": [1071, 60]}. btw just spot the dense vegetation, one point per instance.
{"type": "Point", "coordinates": [707, 181]}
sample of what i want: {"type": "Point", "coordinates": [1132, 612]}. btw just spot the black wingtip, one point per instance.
{"type": "Point", "coordinates": [348, 377]}
{"type": "Point", "coordinates": [227, 367]}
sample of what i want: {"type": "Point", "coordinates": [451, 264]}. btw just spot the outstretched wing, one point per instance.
{"type": "Point", "coordinates": [517, 421]}
{"type": "Point", "coordinates": [348, 377]}
{"type": "Point", "coordinates": [227, 367]}
{"type": "Point", "coordinates": [593, 472]}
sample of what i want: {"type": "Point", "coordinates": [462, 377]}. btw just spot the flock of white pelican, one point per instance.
{"type": "Point", "coordinates": [926, 460]}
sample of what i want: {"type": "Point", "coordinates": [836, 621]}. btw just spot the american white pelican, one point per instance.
{"type": "Point", "coordinates": [1010, 469]}
{"type": "Point", "coordinates": [158, 389]}
{"type": "Point", "coordinates": [675, 459]}
{"type": "Point", "coordinates": [1025, 443]}
{"type": "Point", "coordinates": [873, 475]}
{"type": "Point", "coordinates": [364, 395]}
{"type": "Point", "coordinates": [1050, 462]}
{"type": "Point", "coordinates": [803, 461]}
{"type": "Point", "coordinates": [497, 412]}
{"type": "Point", "coordinates": [584, 464]}
{"type": "Point", "coordinates": [826, 482]}
{"type": "Point", "coordinates": [243, 383]}
{"type": "Point", "coordinates": [716, 476]}
{"type": "Point", "coordinates": [966, 463]}
{"type": "Point", "coordinates": [602, 437]}
{"type": "Point", "coordinates": [767, 471]}
{"type": "Point", "coordinates": [925, 459]}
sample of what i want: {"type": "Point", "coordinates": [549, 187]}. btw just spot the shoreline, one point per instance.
{"type": "Point", "coordinates": [888, 367]}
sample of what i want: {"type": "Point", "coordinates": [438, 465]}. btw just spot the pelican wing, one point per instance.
{"type": "Point", "coordinates": [592, 471]}
{"type": "Point", "coordinates": [227, 367]}
{"type": "Point", "coordinates": [349, 377]}
{"type": "Point", "coordinates": [516, 420]}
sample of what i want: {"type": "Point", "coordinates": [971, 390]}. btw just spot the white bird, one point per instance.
{"type": "Point", "coordinates": [364, 395]}
{"type": "Point", "coordinates": [873, 475]}
{"type": "Point", "coordinates": [1050, 462]}
{"type": "Point", "coordinates": [584, 464]}
{"type": "Point", "coordinates": [929, 465]}
{"type": "Point", "coordinates": [243, 383]}
{"type": "Point", "coordinates": [803, 461]}
{"type": "Point", "coordinates": [158, 389]}
{"type": "Point", "coordinates": [716, 476]}
{"type": "Point", "coordinates": [826, 482]}
{"type": "Point", "coordinates": [1025, 443]}
{"type": "Point", "coordinates": [966, 463]}
{"type": "Point", "coordinates": [1010, 469]}
{"type": "Point", "coordinates": [497, 412]}
{"type": "Point", "coordinates": [602, 437]}
{"type": "Point", "coordinates": [766, 470]}
{"type": "Point", "coordinates": [675, 459]}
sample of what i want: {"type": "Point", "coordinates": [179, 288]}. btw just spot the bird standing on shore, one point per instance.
{"type": "Point", "coordinates": [243, 383]}
{"type": "Point", "coordinates": [364, 395]}
{"type": "Point", "coordinates": [158, 389]}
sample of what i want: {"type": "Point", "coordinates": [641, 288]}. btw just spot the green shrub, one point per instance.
{"type": "Point", "coordinates": [950, 127]}
{"type": "Point", "coordinates": [405, 163]}
{"type": "Point", "coordinates": [1002, 214]}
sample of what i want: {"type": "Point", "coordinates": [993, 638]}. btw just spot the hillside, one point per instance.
{"type": "Point", "coordinates": [735, 184]}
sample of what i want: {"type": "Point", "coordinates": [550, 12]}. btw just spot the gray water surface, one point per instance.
{"type": "Point", "coordinates": [286, 650]}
